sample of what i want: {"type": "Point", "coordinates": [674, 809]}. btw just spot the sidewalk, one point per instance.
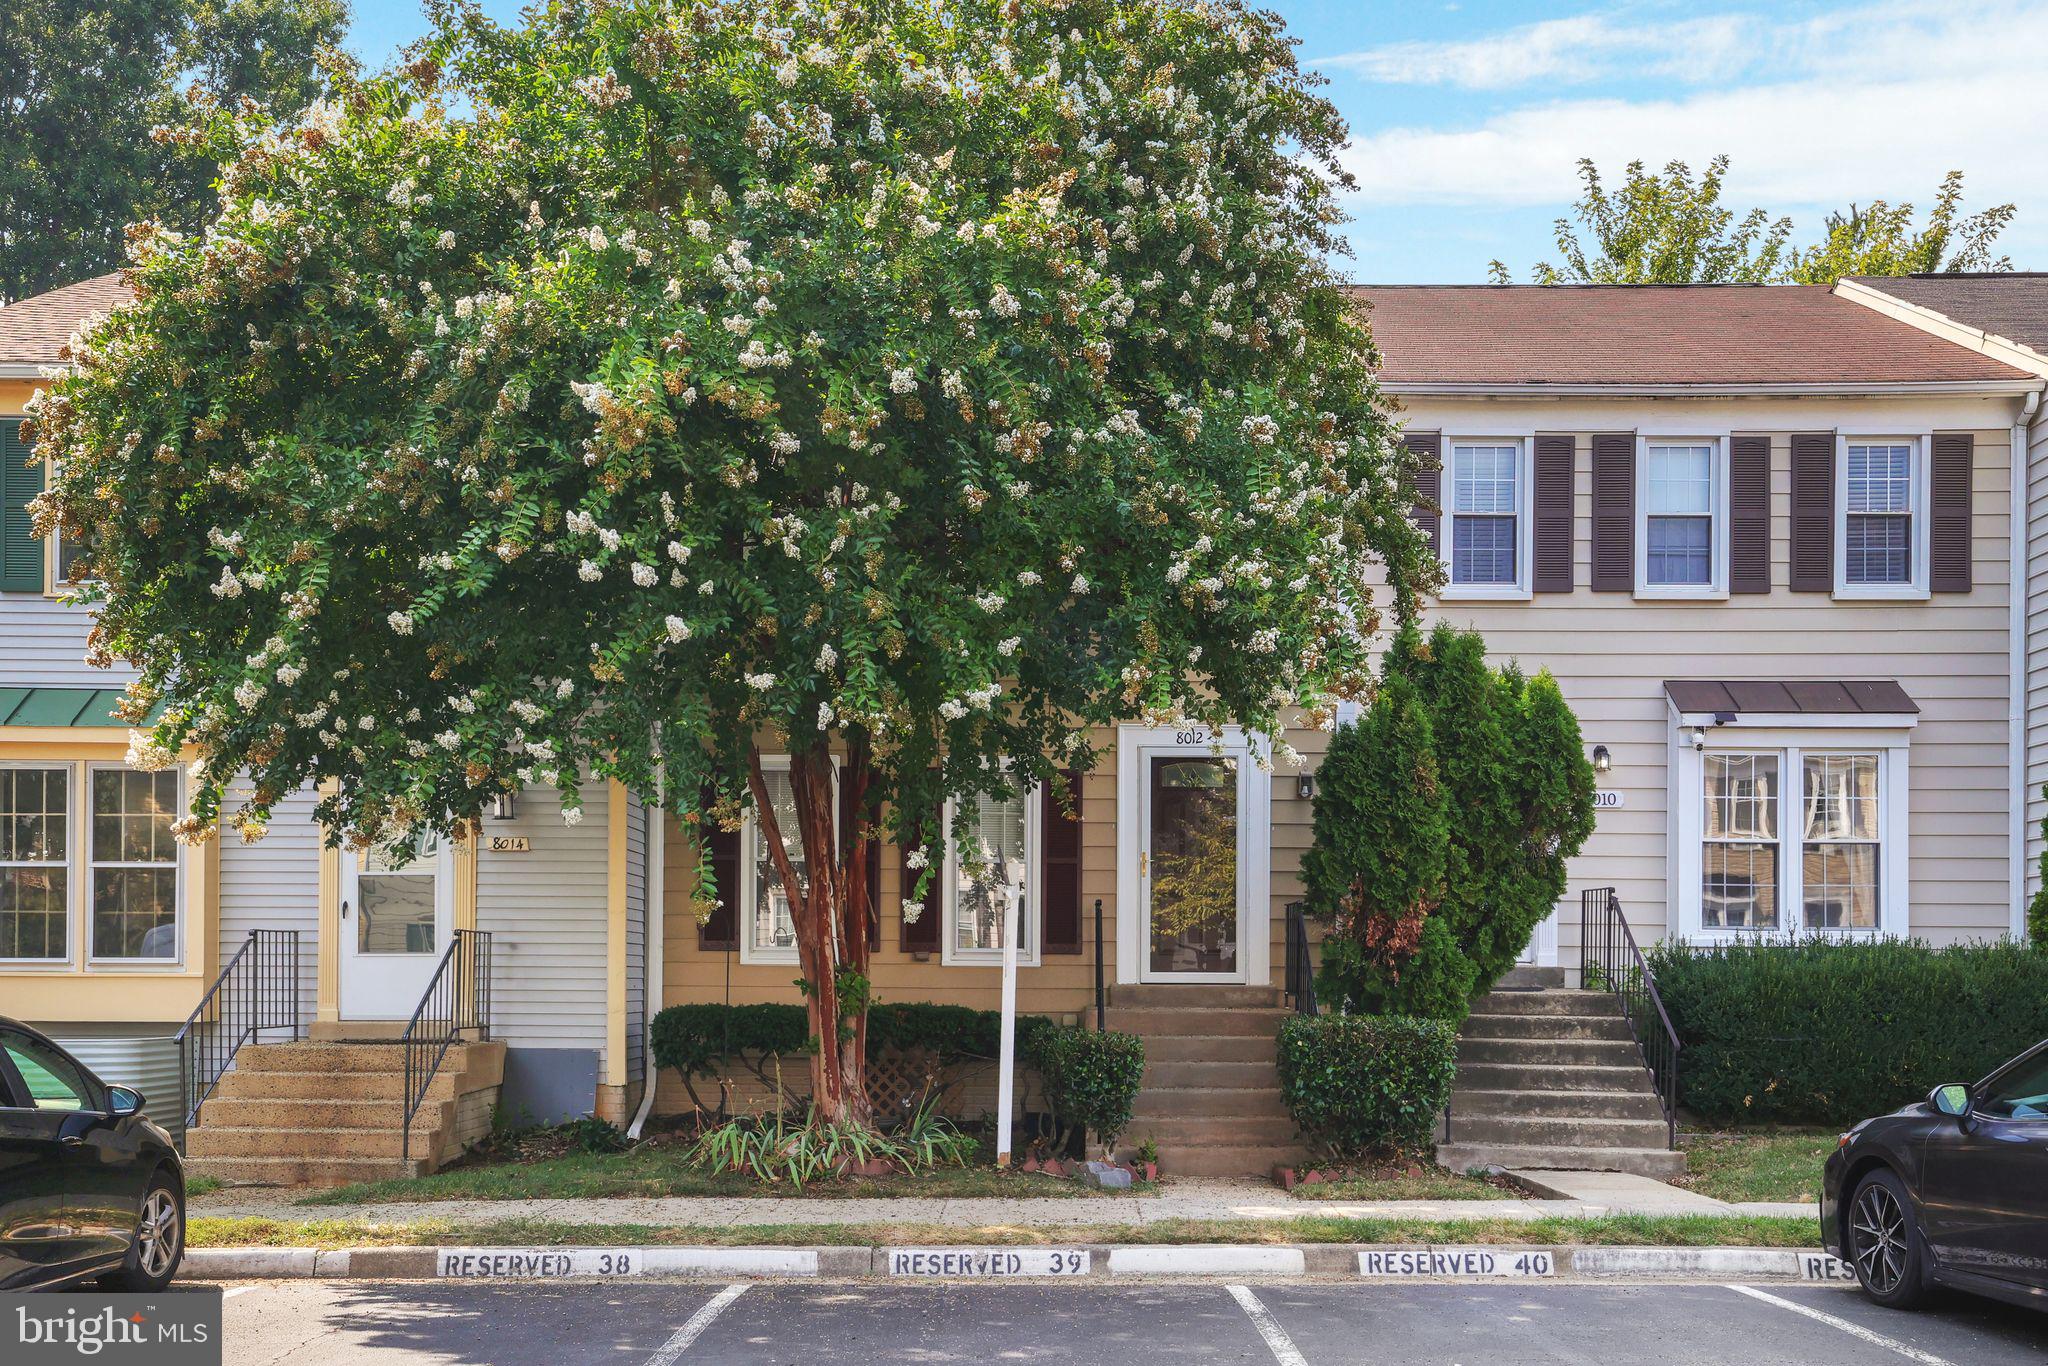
{"type": "Point", "coordinates": [1592, 1194]}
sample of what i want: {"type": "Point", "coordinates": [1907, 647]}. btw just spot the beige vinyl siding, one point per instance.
{"type": "Point", "coordinates": [2036, 646]}
{"type": "Point", "coordinates": [547, 914]}
{"type": "Point", "coordinates": [1611, 654]}
{"type": "Point", "coordinates": [274, 884]}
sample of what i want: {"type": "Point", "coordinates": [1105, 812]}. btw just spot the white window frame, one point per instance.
{"type": "Point", "coordinates": [1525, 507]}
{"type": "Point", "coordinates": [1716, 587]}
{"type": "Point", "coordinates": [1792, 738]}
{"type": "Point", "coordinates": [89, 868]}
{"type": "Point", "coordinates": [54, 583]}
{"type": "Point", "coordinates": [70, 863]}
{"type": "Point", "coordinates": [1920, 513]}
{"type": "Point", "coordinates": [1027, 947]}
{"type": "Point", "coordinates": [750, 851]}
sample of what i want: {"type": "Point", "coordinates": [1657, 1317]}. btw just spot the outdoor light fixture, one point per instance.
{"type": "Point", "coordinates": [1305, 786]}
{"type": "Point", "coordinates": [505, 807]}
{"type": "Point", "coordinates": [1602, 760]}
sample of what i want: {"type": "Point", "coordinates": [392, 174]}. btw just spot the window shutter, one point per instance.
{"type": "Point", "coordinates": [21, 479]}
{"type": "Point", "coordinates": [1554, 491]}
{"type": "Point", "coordinates": [1948, 528]}
{"type": "Point", "coordinates": [1749, 514]}
{"type": "Point", "coordinates": [720, 931]}
{"type": "Point", "coordinates": [1813, 512]}
{"type": "Point", "coordinates": [873, 872]}
{"type": "Point", "coordinates": [923, 935]}
{"type": "Point", "coordinates": [1059, 870]}
{"type": "Point", "coordinates": [1429, 484]}
{"type": "Point", "coordinates": [1614, 512]}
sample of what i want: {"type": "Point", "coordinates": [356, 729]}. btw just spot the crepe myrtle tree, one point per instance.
{"type": "Point", "coordinates": [911, 384]}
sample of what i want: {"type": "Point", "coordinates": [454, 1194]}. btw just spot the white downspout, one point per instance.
{"type": "Point", "coordinates": [657, 916]}
{"type": "Point", "coordinates": [2016, 687]}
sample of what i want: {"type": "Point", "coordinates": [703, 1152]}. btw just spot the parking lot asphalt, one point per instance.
{"type": "Point", "coordinates": [1307, 1323]}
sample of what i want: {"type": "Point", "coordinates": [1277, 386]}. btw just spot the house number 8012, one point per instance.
{"type": "Point", "coordinates": [1191, 737]}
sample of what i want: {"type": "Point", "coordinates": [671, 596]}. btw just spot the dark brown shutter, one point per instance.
{"type": "Point", "coordinates": [720, 930]}
{"type": "Point", "coordinates": [1948, 529]}
{"type": "Point", "coordinates": [1813, 512]}
{"type": "Point", "coordinates": [847, 816]}
{"type": "Point", "coordinates": [1749, 514]}
{"type": "Point", "coordinates": [1059, 870]}
{"type": "Point", "coordinates": [1553, 488]}
{"type": "Point", "coordinates": [923, 935]}
{"type": "Point", "coordinates": [1429, 484]}
{"type": "Point", "coordinates": [1614, 512]}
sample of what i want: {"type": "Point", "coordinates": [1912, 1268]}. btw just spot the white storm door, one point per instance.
{"type": "Point", "coordinates": [1191, 837]}
{"type": "Point", "coordinates": [397, 916]}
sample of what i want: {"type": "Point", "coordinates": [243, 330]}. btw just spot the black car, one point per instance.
{"type": "Point", "coordinates": [1950, 1191]}
{"type": "Point", "coordinates": [89, 1187]}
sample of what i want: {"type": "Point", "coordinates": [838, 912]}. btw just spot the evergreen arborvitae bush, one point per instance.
{"type": "Point", "coordinates": [2037, 911]}
{"type": "Point", "coordinates": [1443, 821]}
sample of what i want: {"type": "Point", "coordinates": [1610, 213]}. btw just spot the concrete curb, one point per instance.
{"type": "Point", "coordinates": [1354, 1261]}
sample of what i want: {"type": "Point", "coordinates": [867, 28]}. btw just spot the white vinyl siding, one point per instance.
{"type": "Point", "coordinates": [274, 884]}
{"type": "Point", "coordinates": [548, 914]}
{"type": "Point", "coordinates": [636, 937]}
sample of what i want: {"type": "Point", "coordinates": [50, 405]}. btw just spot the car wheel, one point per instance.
{"type": "Point", "coordinates": [1884, 1243]}
{"type": "Point", "coordinates": [159, 1242]}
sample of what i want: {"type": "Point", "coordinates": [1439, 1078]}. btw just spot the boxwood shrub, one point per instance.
{"type": "Point", "coordinates": [1091, 1080]}
{"type": "Point", "coordinates": [1358, 1084]}
{"type": "Point", "coordinates": [1829, 1032]}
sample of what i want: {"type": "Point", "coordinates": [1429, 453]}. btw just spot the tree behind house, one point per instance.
{"type": "Point", "coordinates": [1881, 240]}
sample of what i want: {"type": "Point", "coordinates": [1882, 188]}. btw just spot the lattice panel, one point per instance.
{"type": "Point", "coordinates": [899, 1082]}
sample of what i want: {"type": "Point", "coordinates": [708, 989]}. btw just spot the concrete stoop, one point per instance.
{"type": "Point", "coordinates": [326, 1113]}
{"type": "Point", "coordinates": [1551, 1078]}
{"type": "Point", "coordinates": [1211, 1095]}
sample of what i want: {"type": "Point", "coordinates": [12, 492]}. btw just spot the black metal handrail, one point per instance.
{"type": "Point", "coordinates": [1301, 968]}
{"type": "Point", "coordinates": [456, 1002]}
{"type": "Point", "coordinates": [257, 990]}
{"type": "Point", "coordinates": [1101, 997]}
{"type": "Point", "coordinates": [1609, 960]}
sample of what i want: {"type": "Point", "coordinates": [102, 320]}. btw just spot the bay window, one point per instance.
{"type": "Point", "coordinates": [35, 863]}
{"type": "Point", "coordinates": [89, 845]}
{"type": "Point", "coordinates": [133, 888]}
{"type": "Point", "coordinates": [1486, 518]}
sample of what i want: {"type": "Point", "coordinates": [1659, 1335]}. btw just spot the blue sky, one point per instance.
{"type": "Point", "coordinates": [1467, 118]}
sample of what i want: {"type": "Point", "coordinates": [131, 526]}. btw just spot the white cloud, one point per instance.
{"type": "Point", "coordinates": [1581, 48]}
{"type": "Point", "coordinates": [1880, 102]}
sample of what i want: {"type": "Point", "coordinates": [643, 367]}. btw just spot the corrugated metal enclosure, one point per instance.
{"type": "Point", "coordinates": [148, 1063]}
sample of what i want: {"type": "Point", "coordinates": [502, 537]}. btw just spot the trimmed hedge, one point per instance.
{"type": "Point", "coordinates": [1826, 1032]}
{"type": "Point", "coordinates": [1357, 1084]}
{"type": "Point", "coordinates": [1091, 1080]}
{"type": "Point", "coordinates": [692, 1039]}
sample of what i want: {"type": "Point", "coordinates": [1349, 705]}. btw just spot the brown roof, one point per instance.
{"type": "Point", "coordinates": [1865, 696]}
{"type": "Point", "coordinates": [32, 330]}
{"type": "Point", "coordinates": [1636, 335]}
{"type": "Point", "coordinates": [2009, 304]}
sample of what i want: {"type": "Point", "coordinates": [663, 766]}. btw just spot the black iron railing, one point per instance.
{"type": "Point", "coordinates": [1301, 966]}
{"type": "Point", "coordinates": [456, 1003]}
{"type": "Point", "coordinates": [1101, 997]}
{"type": "Point", "coordinates": [257, 990]}
{"type": "Point", "coordinates": [1609, 960]}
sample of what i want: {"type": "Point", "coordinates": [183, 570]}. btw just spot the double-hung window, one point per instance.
{"type": "Point", "coordinates": [770, 935]}
{"type": "Point", "coordinates": [979, 880]}
{"type": "Point", "coordinates": [1682, 531]}
{"type": "Point", "coordinates": [1487, 517]}
{"type": "Point", "coordinates": [1801, 839]}
{"type": "Point", "coordinates": [1881, 528]}
{"type": "Point", "coordinates": [90, 844]}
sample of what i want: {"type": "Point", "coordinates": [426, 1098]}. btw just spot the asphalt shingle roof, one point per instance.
{"type": "Point", "coordinates": [2010, 304]}
{"type": "Point", "coordinates": [34, 329]}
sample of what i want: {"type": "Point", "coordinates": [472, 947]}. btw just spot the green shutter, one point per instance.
{"type": "Point", "coordinates": [21, 554]}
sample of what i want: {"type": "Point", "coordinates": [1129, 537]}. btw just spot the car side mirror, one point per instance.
{"type": "Point", "coordinates": [1952, 1100]}
{"type": "Point", "coordinates": [123, 1101]}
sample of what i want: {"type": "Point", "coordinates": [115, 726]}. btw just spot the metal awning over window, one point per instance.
{"type": "Point", "coordinates": [1734, 698]}
{"type": "Point", "coordinates": [59, 707]}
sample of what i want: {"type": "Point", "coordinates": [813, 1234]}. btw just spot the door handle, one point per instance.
{"type": "Point", "coordinates": [72, 1141]}
{"type": "Point", "coordinates": [1141, 863]}
{"type": "Point", "coordinates": [344, 908]}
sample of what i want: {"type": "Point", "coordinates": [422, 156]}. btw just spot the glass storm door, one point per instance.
{"type": "Point", "coordinates": [1190, 866]}
{"type": "Point", "coordinates": [396, 918]}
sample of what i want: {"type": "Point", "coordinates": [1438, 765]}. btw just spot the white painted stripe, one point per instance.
{"type": "Point", "coordinates": [680, 1340]}
{"type": "Point", "coordinates": [1855, 1330]}
{"type": "Point", "coordinates": [1206, 1261]}
{"type": "Point", "coordinates": [1277, 1342]}
{"type": "Point", "coordinates": [238, 1290]}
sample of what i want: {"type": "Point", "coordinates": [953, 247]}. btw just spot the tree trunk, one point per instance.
{"type": "Point", "coordinates": [830, 913]}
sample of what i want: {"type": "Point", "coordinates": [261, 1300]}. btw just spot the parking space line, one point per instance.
{"type": "Point", "coordinates": [680, 1340]}
{"type": "Point", "coordinates": [1871, 1336]}
{"type": "Point", "coordinates": [238, 1290]}
{"type": "Point", "coordinates": [1277, 1342]}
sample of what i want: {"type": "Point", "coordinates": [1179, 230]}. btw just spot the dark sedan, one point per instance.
{"type": "Point", "coordinates": [1950, 1191]}
{"type": "Point", "coordinates": [89, 1187]}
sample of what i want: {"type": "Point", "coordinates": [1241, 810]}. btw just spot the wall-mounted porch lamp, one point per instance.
{"type": "Point", "coordinates": [1602, 760]}
{"type": "Point", "coordinates": [1305, 785]}
{"type": "Point", "coordinates": [505, 807]}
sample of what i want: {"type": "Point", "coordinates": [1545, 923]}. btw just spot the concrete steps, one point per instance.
{"type": "Point", "coordinates": [327, 1112]}
{"type": "Point", "coordinates": [1550, 1078]}
{"type": "Point", "coordinates": [1211, 1094]}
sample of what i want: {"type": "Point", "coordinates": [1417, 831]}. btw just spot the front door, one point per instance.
{"type": "Point", "coordinates": [1191, 866]}
{"type": "Point", "coordinates": [397, 916]}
